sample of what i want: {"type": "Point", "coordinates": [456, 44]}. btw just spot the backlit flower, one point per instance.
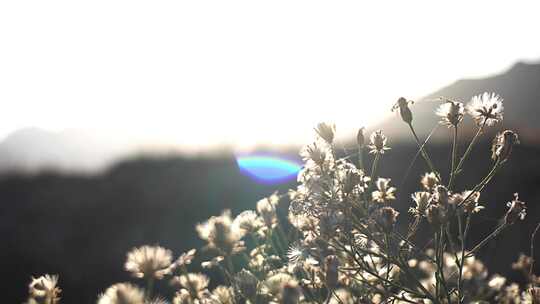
{"type": "Point", "coordinates": [451, 112]}
{"type": "Point", "coordinates": [122, 293]}
{"type": "Point", "coordinates": [377, 143]}
{"type": "Point", "coordinates": [149, 262]}
{"type": "Point", "coordinates": [384, 192]}
{"type": "Point", "coordinates": [486, 109]}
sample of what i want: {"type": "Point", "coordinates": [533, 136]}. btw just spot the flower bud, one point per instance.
{"type": "Point", "coordinates": [331, 264]}
{"type": "Point", "coordinates": [403, 105]}
{"type": "Point", "coordinates": [517, 210]}
{"type": "Point", "coordinates": [503, 144]}
{"type": "Point", "coordinates": [360, 139]}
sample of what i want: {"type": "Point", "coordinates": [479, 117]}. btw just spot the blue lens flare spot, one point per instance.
{"type": "Point", "coordinates": [268, 169]}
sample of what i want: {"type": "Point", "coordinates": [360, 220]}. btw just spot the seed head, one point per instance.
{"type": "Point", "coordinates": [429, 181]}
{"type": "Point", "coordinates": [195, 283]}
{"type": "Point", "coordinates": [267, 209]}
{"type": "Point", "coordinates": [221, 234]}
{"type": "Point", "coordinates": [122, 293]}
{"type": "Point", "coordinates": [451, 113]}
{"type": "Point", "coordinates": [486, 109]}
{"type": "Point", "coordinates": [386, 217]}
{"type": "Point", "coordinates": [149, 262]}
{"type": "Point", "coordinates": [436, 214]}
{"type": "Point", "coordinates": [422, 200]}
{"type": "Point", "coordinates": [377, 144]}
{"type": "Point", "coordinates": [44, 289]}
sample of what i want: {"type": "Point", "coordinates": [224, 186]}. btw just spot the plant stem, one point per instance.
{"type": "Point", "coordinates": [374, 167]}
{"type": "Point", "coordinates": [454, 156]}
{"type": "Point", "coordinates": [423, 151]}
{"type": "Point", "coordinates": [487, 239]}
{"type": "Point", "coordinates": [469, 148]}
{"type": "Point", "coordinates": [463, 236]}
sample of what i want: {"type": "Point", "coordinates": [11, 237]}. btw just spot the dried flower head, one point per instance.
{"type": "Point", "coordinates": [503, 144]}
{"type": "Point", "coordinates": [222, 295]}
{"type": "Point", "coordinates": [422, 200]}
{"type": "Point", "coordinates": [44, 289]}
{"type": "Point", "coordinates": [149, 262]}
{"type": "Point", "coordinates": [195, 283]}
{"type": "Point", "coordinates": [213, 262]}
{"type": "Point", "coordinates": [451, 112]}
{"type": "Point", "coordinates": [122, 293]}
{"type": "Point", "coordinates": [436, 214]}
{"type": "Point", "coordinates": [183, 297]}
{"type": "Point", "coordinates": [221, 234]}
{"type": "Point", "coordinates": [377, 143]}
{"type": "Point", "coordinates": [523, 263]}
{"type": "Point", "coordinates": [429, 181]}
{"type": "Point", "coordinates": [471, 205]}
{"type": "Point", "coordinates": [497, 282]}
{"type": "Point", "coordinates": [246, 283]}
{"type": "Point", "coordinates": [248, 221]}
{"type": "Point", "coordinates": [384, 192]}
{"type": "Point", "coordinates": [267, 209]}
{"type": "Point", "coordinates": [403, 105]}
{"type": "Point", "coordinates": [326, 131]}
{"type": "Point", "coordinates": [386, 217]}
{"type": "Point", "coordinates": [318, 153]}
{"type": "Point", "coordinates": [516, 210]}
{"type": "Point", "coordinates": [486, 109]}
{"type": "Point", "coordinates": [185, 258]}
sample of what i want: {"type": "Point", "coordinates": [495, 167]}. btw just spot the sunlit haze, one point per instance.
{"type": "Point", "coordinates": [201, 74]}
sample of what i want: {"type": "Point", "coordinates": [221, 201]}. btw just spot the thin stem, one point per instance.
{"type": "Point", "coordinates": [532, 248]}
{"type": "Point", "coordinates": [461, 261]}
{"type": "Point", "coordinates": [480, 186]}
{"type": "Point", "coordinates": [361, 157]}
{"type": "Point", "coordinates": [374, 167]}
{"type": "Point", "coordinates": [423, 150]}
{"type": "Point", "coordinates": [149, 287]}
{"type": "Point", "coordinates": [486, 240]}
{"type": "Point", "coordinates": [469, 148]}
{"type": "Point", "coordinates": [454, 156]}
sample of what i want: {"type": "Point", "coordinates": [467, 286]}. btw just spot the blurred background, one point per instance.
{"type": "Point", "coordinates": [125, 123]}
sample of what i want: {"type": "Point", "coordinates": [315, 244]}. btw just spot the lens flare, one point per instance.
{"type": "Point", "coordinates": [268, 169]}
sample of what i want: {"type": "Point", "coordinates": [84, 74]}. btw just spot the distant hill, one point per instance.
{"type": "Point", "coordinates": [519, 86]}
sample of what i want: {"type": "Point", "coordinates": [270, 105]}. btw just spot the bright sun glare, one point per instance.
{"type": "Point", "coordinates": [240, 73]}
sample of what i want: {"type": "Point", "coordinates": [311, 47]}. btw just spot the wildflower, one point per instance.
{"type": "Point", "coordinates": [44, 289]}
{"type": "Point", "coordinates": [422, 200]}
{"type": "Point", "coordinates": [195, 283]}
{"type": "Point", "coordinates": [318, 152]}
{"type": "Point", "coordinates": [275, 283]}
{"type": "Point", "coordinates": [360, 139]}
{"type": "Point", "coordinates": [182, 297]}
{"type": "Point", "coordinates": [510, 294]}
{"type": "Point", "coordinates": [246, 283]}
{"type": "Point", "coordinates": [486, 109]}
{"type": "Point", "coordinates": [158, 300]}
{"type": "Point", "coordinates": [451, 113]}
{"type": "Point", "coordinates": [248, 221]}
{"type": "Point", "coordinates": [497, 282]}
{"type": "Point", "coordinates": [377, 144]}
{"type": "Point", "coordinates": [326, 131]}
{"type": "Point", "coordinates": [149, 262]}
{"type": "Point", "coordinates": [186, 258]}
{"type": "Point", "coordinates": [299, 253]}
{"type": "Point", "coordinates": [517, 210]}
{"type": "Point", "coordinates": [222, 295]}
{"type": "Point", "coordinates": [429, 181]}
{"type": "Point", "coordinates": [503, 144]}
{"type": "Point", "coordinates": [221, 234]}
{"type": "Point", "coordinates": [331, 264]}
{"type": "Point", "coordinates": [122, 293]}
{"type": "Point", "coordinates": [436, 214]}
{"type": "Point", "coordinates": [523, 263]}
{"type": "Point", "coordinates": [386, 217]}
{"type": "Point", "coordinates": [403, 105]}
{"type": "Point", "coordinates": [471, 205]}
{"type": "Point", "coordinates": [441, 195]}
{"type": "Point", "coordinates": [531, 295]}
{"type": "Point", "coordinates": [290, 294]}
{"type": "Point", "coordinates": [267, 209]}
{"type": "Point", "coordinates": [384, 193]}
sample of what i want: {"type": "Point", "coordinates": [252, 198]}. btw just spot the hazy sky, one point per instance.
{"type": "Point", "coordinates": [207, 72]}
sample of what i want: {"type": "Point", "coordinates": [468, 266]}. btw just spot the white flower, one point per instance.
{"type": "Point", "coordinates": [195, 283]}
{"type": "Point", "coordinates": [149, 262]}
{"type": "Point", "coordinates": [451, 113]}
{"type": "Point", "coordinates": [122, 293]}
{"type": "Point", "coordinates": [267, 209]}
{"type": "Point", "coordinates": [377, 143]}
{"type": "Point", "coordinates": [248, 221]}
{"type": "Point", "coordinates": [384, 192]}
{"type": "Point", "coordinates": [497, 282]}
{"type": "Point", "coordinates": [422, 200]}
{"type": "Point", "coordinates": [44, 289]}
{"type": "Point", "coordinates": [486, 109]}
{"type": "Point", "coordinates": [221, 234]}
{"type": "Point", "coordinates": [429, 181]}
{"type": "Point", "coordinates": [326, 131]}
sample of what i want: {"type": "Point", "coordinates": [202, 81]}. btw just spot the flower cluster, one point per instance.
{"type": "Point", "coordinates": [340, 242]}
